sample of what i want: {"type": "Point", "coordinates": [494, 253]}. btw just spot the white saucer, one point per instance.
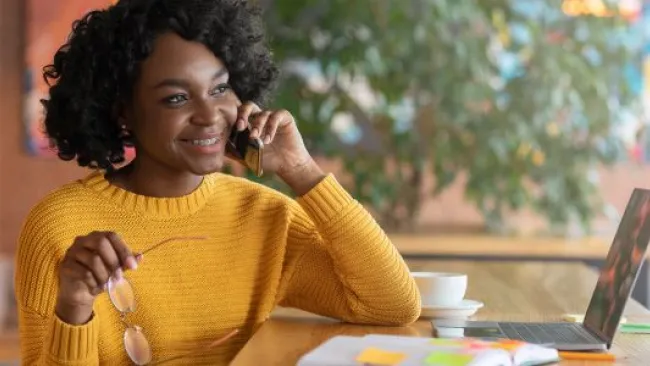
{"type": "Point", "coordinates": [461, 310]}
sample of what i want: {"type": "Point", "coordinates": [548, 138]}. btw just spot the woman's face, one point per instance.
{"type": "Point", "coordinates": [182, 109]}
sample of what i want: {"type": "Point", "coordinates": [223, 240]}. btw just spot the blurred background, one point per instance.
{"type": "Point", "coordinates": [491, 118]}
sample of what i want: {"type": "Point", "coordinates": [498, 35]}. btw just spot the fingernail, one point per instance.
{"type": "Point", "coordinates": [131, 263]}
{"type": "Point", "coordinates": [241, 124]}
{"type": "Point", "coordinates": [119, 274]}
{"type": "Point", "coordinates": [254, 132]}
{"type": "Point", "coordinates": [267, 139]}
{"type": "Point", "coordinates": [139, 258]}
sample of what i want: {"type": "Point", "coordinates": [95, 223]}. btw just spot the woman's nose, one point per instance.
{"type": "Point", "coordinates": [211, 113]}
{"type": "Point", "coordinates": [206, 114]}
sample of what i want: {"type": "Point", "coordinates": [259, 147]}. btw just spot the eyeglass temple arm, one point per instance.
{"type": "Point", "coordinates": [172, 239]}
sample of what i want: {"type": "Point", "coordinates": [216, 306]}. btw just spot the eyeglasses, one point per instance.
{"type": "Point", "coordinates": [136, 345]}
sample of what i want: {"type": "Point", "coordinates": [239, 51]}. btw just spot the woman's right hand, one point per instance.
{"type": "Point", "coordinates": [85, 270]}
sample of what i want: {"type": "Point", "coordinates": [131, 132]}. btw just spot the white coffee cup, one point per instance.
{"type": "Point", "coordinates": [441, 289]}
{"type": "Point", "coordinates": [444, 332]}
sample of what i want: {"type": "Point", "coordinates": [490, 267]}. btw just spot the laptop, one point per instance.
{"type": "Point", "coordinates": [615, 283]}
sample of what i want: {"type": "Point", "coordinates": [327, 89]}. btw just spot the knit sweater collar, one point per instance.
{"type": "Point", "coordinates": [160, 207]}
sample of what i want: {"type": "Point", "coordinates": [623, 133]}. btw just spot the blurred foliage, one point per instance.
{"type": "Point", "coordinates": [521, 100]}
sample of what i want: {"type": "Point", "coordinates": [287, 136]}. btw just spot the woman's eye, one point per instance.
{"type": "Point", "coordinates": [220, 89]}
{"type": "Point", "coordinates": [175, 99]}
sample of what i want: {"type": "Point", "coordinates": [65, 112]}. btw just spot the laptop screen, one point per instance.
{"type": "Point", "coordinates": [621, 267]}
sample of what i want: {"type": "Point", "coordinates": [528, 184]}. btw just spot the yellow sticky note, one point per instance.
{"type": "Point", "coordinates": [377, 356]}
{"type": "Point", "coordinates": [573, 318]}
{"type": "Point", "coordinates": [579, 318]}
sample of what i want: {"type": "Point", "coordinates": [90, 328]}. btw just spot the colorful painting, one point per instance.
{"type": "Point", "coordinates": [48, 24]}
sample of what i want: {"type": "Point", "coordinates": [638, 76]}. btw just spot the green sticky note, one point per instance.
{"type": "Point", "coordinates": [639, 328]}
{"type": "Point", "coordinates": [448, 359]}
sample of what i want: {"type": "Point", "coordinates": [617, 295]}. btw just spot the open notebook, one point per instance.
{"type": "Point", "coordinates": [386, 350]}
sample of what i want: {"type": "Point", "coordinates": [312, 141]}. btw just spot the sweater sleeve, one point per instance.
{"type": "Point", "coordinates": [49, 341]}
{"type": "Point", "coordinates": [340, 263]}
{"type": "Point", "coordinates": [44, 339]}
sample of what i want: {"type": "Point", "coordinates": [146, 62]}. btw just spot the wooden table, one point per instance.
{"type": "Point", "coordinates": [519, 291]}
{"type": "Point", "coordinates": [488, 246]}
{"type": "Point", "coordinates": [590, 251]}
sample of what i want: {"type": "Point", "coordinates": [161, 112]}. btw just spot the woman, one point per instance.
{"type": "Point", "coordinates": [174, 77]}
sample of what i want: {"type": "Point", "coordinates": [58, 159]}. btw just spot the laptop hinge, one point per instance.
{"type": "Point", "coordinates": [597, 335]}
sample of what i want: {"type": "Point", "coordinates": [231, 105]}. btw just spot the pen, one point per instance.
{"type": "Point", "coordinates": [587, 356]}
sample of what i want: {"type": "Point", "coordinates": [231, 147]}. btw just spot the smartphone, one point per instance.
{"type": "Point", "coordinates": [248, 152]}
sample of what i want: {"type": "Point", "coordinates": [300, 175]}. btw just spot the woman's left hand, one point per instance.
{"type": "Point", "coordinates": [285, 153]}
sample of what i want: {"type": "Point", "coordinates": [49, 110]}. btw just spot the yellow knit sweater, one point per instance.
{"type": "Point", "coordinates": [322, 253]}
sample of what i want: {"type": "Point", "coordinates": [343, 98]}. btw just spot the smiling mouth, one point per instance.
{"type": "Point", "coordinates": [203, 142]}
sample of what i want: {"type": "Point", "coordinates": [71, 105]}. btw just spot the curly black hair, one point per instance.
{"type": "Point", "coordinates": [96, 69]}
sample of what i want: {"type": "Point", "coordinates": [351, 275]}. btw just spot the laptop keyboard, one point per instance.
{"type": "Point", "coordinates": [543, 333]}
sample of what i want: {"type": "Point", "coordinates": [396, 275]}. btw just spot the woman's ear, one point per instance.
{"type": "Point", "coordinates": [124, 115]}
{"type": "Point", "coordinates": [124, 123]}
